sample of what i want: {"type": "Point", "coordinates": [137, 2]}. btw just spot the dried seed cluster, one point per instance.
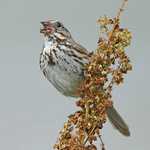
{"type": "Point", "coordinates": [107, 67]}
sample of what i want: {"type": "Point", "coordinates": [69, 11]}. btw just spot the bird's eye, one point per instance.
{"type": "Point", "coordinates": [58, 24]}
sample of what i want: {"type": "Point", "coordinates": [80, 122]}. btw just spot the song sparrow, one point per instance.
{"type": "Point", "coordinates": [62, 61]}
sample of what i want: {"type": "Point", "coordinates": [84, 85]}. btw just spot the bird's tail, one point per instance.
{"type": "Point", "coordinates": [117, 121]}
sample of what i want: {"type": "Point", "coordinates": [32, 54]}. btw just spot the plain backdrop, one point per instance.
{"type": "Point", "coordinates": [31, 111]}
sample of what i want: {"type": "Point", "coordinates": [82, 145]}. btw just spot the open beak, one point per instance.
{"type": "Point", "coordinates": [45, 23]}
{"type": "Point", "coordinates": [46, 27]}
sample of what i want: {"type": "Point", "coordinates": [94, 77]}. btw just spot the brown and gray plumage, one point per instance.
{"type": "Point", "coordinates": [62, 62]}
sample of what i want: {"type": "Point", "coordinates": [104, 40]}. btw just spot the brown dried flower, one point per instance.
{"type": "Point", "coordinates": [107, 67]}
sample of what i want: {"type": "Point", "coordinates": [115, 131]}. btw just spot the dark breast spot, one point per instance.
{"type": "Point", "coordinates": [50, 59]}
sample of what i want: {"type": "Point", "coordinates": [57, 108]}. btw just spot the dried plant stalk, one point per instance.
{"type": "Point", "coordinates": [107, 67]}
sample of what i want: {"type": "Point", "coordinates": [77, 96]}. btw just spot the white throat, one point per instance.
{"type": "Point", "coordinates": [48, 42]}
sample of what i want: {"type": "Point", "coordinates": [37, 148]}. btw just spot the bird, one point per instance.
{"type": "Point", "coordinates": [62, 62]}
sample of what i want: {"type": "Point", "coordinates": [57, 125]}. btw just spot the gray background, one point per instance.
{"type": "Point", "coordinates": [31, 110]}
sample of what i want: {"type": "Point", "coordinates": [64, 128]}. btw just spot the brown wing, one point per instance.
{"type": "Point", "coordinates": [81, 50]}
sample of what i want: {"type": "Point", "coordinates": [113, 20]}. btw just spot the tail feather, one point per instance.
{"type": "Point", "coordinates": [117, 121]}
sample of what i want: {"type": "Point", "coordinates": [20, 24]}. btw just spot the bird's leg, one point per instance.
{"type": "Point", "coordinates": [102, 143]}
{"type": "Point", "coordinates": [89, 134]}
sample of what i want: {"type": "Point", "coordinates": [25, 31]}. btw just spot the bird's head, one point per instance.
{"type": "Point", "coordinates": [54, 28]}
